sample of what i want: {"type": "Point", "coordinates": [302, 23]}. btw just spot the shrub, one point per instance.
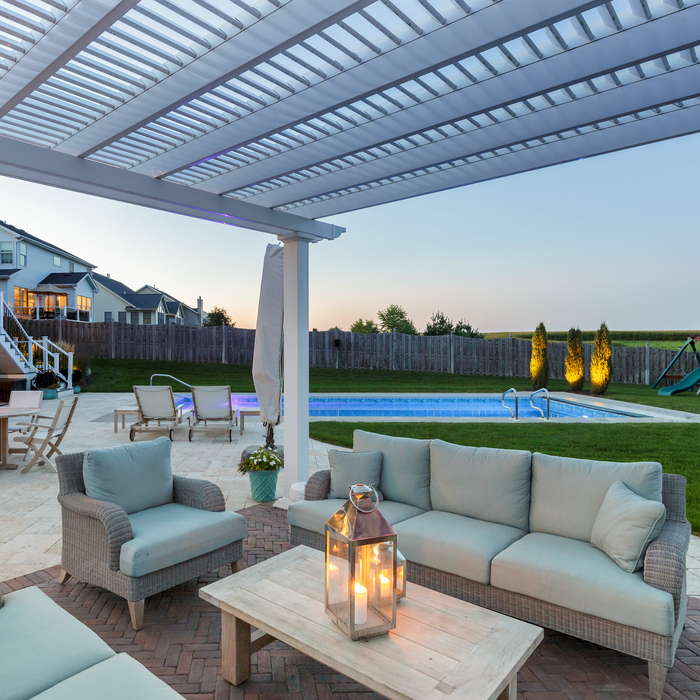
{"type": "Point", "coordinates": [465, 329]}
{"type": "Point", "coordinates": [46, 380]}
{"type": "Point", "coordinates": [218, 317]}
{"type": "Point", "coordinates": [439, 324]}
{"type": "Point", "coordinates": [539, 362]}
{"type": "Point", "coordinates": [601, 362]}
{"type": "Point", "coordinates": [394, 319]}
{"type": "Point", "coordinates": [368, 326]}
{"type": "Point", "coordinates": [63, 359]}
{"type": "Point", "coordinates": [575, 366]}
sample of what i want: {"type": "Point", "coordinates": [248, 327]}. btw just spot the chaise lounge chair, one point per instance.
{"type": "Point", "coordinates": [212, 405]}
{"type": "Point", "coordinates": [157, 410]}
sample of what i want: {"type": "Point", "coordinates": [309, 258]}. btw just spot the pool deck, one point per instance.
{"type": "Point", "coordinates": [30, 516]}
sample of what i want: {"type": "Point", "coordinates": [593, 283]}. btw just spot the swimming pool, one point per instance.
{"type": "Point", "coordinates": [445, 406]}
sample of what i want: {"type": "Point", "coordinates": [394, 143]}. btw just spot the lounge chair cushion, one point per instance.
{"type": "Point", "coordinates": [117, 678]}
{"type": "Point", "coordinates": [349, 468]}
{"type": "Point", "coordinates": [312, 515]}
{"type": "Point", "coordinates": [481, 482]}
{"type": "Point", "coordinates": [454, 543]}
{"type": "Point", "coordinates": [135, 476]}
{"type": "Point", "coordinates": [405, 467]}
{"type": "Point", "coordinates": [577, 576]}
{"type": "Point", "coordinates": [41, 645]}
{"type": "Point", "coordinates": [625, 526]}
{"type": "Point", "coordinates": [174, 533]}
{"type": "Point", "coordinates": [567, 493]}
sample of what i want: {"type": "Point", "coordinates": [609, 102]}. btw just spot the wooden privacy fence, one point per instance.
{"type": "Point", "coordinates": [503, 357]}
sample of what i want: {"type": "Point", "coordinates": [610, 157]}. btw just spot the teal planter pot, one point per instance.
{"type": "Point", "coordinates": [263, 485]}
{"type": "Point", "coordinates": [76, 389]}
{"type": "Point", "coordinates": [50, 394]}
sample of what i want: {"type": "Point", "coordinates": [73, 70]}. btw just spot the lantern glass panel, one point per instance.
{"type": "Point", "coordinates": [400, 576]}
{"type": "Point", "coordinates": [338, 576]}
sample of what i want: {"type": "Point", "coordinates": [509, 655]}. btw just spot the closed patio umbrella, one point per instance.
{"type": "Point", "coordinates": [267, 354]}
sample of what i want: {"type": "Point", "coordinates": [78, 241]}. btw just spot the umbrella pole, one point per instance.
{"type": "Point", "coordinates": [270, 439]}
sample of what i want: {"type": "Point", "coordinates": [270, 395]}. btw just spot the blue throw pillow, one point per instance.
{"type": "Point", "coordinates": [136, 476]}
{"type": "Point", "coordinates": [350, 468]}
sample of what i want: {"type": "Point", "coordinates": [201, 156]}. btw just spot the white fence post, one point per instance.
{"type": "Point", "coordinates": [69, 373]}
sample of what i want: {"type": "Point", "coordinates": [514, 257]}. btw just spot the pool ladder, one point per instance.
{"type": "Point", "coordinates": [532, 396]}
{"type": "Point", "coordinates": [170, 376]}
{"type": "Point", "coordinates": [503, 401]}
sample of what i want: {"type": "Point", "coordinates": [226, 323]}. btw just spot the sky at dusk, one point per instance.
{"type": "Point", "coordinates": [612, 238]}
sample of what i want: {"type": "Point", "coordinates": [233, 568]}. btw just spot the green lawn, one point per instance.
{"type": "Point", "coordinates": [673, 445]}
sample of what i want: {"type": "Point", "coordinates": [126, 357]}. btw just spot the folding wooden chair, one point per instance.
{"type": "Point", "coordinates": [47, 433]}
{"type": "Point", "coordinates": [23, 399]}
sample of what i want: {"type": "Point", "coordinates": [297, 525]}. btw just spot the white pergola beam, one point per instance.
{"type": "Point", "coordinates": [40, 165]}
{"type": "Point", "coordinates": [474, 33]}
{"type": "Point", "coordinates": [635, 97]}
{"type": "Point", "coordinates": [81, 25]}
{"type": "Point", "coordinates": [272, 34]}
{"type": "Point", "coordinates": [665, 126]}
{"type": "Point", "coordinates": [584, 62]}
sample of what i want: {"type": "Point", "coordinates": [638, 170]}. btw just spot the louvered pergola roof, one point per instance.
{"type": "Point", "coordinates": [271, 113]}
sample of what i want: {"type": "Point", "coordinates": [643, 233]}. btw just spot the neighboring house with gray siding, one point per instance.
{"type": "Point", "coordinates": [40, 280]}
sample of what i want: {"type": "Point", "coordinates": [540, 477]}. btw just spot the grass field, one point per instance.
{"type": "Point", "coordinates": [672, 445]}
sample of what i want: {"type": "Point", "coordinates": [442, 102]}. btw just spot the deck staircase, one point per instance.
{"type": "Point", "coordinates": [22, 357]}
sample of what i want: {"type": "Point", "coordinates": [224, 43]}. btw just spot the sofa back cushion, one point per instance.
{"type": "Point", "coordinates": [481, 482]}
{"type": "Point", "coordinates": [567, 493]}
{"type": "Point", "coordinates": [405, 466]}
{"type": "Point", "coordinates": [135, 476]}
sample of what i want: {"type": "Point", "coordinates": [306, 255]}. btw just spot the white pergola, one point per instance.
{"type": "Point", "coordinates": [268, 114]}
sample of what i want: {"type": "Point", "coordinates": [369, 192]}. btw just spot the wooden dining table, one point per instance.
{"type": "Point", "coordinates": [5, 414]}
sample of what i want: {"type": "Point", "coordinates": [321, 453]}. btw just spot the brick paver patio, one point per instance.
{"type": "Point", "coordinates": [181, 637]}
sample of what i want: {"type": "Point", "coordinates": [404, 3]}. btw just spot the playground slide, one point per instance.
{"type": "Point", "coordinates": [687, 383]}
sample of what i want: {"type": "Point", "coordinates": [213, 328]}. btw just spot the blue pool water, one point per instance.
{"type": "Point", "coordinates": [406, 406]}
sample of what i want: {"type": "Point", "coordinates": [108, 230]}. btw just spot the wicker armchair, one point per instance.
{"type": "Point", "coordinates": [94, 532]}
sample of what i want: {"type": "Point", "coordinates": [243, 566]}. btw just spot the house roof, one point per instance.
{"type": "Point", "coordinates": [165, 294]}
{"type": "Point", "coordinates": [114, 286]}
{"type": "Point", "coordinates": [45, 244]}
{"type": "Point", "coordinates": [64, 279]}
{"type": "Point", "coordinates": [8, 273]}
{"type": "Point", "coordinates": [145, 302]}
{"type": "Point", "coordinates": [171, 306]}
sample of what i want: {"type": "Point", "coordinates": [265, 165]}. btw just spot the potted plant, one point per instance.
{"type": "Point", "coordinates": [262, 468]}
{"type": "Point", "coordinates": [48, 382]}
{"type": "Point", "coordinates": [77, 378]}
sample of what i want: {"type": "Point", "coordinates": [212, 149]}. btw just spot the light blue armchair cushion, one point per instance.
{"type": "Point", "coordinates": [577, 576]}
{"type": "Point", "coordinates": [567, 493]}
{"type": "Point", "coordinates": [349, 468]}
{"type": "Point", "coordinates": [454, 543]}
{"type": "Point", "coordinates": [405, 467]}
{"type": "Point", "coordinates": [625, 526]}
{"type": "Point", "coordinates": [135, 476]}
{"type": "Point", "coordinates": [41, 645]}
{"type": "Point", "coordinates": [174, 533]}
{"type": "Point", "coordinates": [481, 482]}
{"type": "Point", "coordinates": [118, 678]}
{"type": "Point", "coordinates": [312, 515]}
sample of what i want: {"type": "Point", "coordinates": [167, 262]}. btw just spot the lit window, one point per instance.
{"type": "Point", "coordinates": [84, 303]}
{"type": "Point", "coordinates": [108, 315]}
{"type": "Point", "coordinates": [6, 256]}
{"type": "Point", "coordinates": [147, 317]}
{"type": "Point", "coordinates": [56, 261]}
{"type": "Point", "coordinates": [23, 254]}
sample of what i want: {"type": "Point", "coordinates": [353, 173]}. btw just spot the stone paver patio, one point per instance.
{"type": "Point", "coordinates": [180, 642]}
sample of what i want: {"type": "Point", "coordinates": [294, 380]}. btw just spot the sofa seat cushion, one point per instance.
{"type": "Point", "coordinates": [454, 543]}
{"type": "Point", "coordinates": [174, 533]}
{"type": "Point", "coordinates": [41, 645]}
{"type": "Point", "coordinates": [567, 493]}
{"type": "Point", "coordinates": [312, 515]}
{"type": "Point", "coordinates": [135, 476]}
{"type": "Point", "coordinates": [481, 482]}
{"type": "Point", "coordinates": [576, 575]}
{"type": "Point", "coordinates": [117, 678]}
{"type": "Point", "coordinates": [405, 466]}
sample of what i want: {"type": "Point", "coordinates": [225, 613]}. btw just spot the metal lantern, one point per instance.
{"type": "Point", "coordinates": [400, 576]}
{"type": "Point", "coordinates": [361, 567]}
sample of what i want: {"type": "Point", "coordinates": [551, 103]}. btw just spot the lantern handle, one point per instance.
{"type": "Point", "coordinates": [356, 504]}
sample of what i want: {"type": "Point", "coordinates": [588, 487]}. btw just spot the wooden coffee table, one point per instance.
{"type": "Point", "coordinates": [441, 646]}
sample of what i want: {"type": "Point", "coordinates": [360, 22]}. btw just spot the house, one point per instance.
{"type": "Point", "coordinates": [147, 305]}
{"type": "Point", "coordinates": [40, 280]}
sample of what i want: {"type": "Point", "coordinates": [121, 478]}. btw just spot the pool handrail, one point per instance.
{"type": "Point", "coordinates": [532, 396]}
{"type": "Point", "coordinates": [170, 376]}
{"type": "Point", "coordinates": [503, 401]}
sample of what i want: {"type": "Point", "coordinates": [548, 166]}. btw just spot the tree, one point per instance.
{"type": "Point", "coordinates": [218, 317]}
{"type": "Point", "coordinates": [465, 329]}
{"type": "Point", "coordinates": [439, 324]}
{"type": "Point", "coordinates": [368, 326]}
{"type": "Point", "coordinates": [539, 362]}
{"type": "Point", "coordinates": [601, 362]}
{"type": "Point", "coordinates": [394, 319]}
{"type": "Point", "coordinates": [575, 366]}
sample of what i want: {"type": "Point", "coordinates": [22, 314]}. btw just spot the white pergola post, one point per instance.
{"type": "Point", "coordinates": [296, 361]}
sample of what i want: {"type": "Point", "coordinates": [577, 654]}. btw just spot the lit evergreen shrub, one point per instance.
{"type": "Point", "coordinates": [575, 366]}
{"type": "Point", "coordinates": [539, 362]}
{"type": "Point", "coordinates": [601, 362]}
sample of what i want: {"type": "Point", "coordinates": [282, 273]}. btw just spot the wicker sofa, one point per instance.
{"type": "Point", "coordinates": [511, 531]}
{"type": "Point", "coordinates": [48, 654]}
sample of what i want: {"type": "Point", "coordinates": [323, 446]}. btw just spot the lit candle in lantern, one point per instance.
{"type": "Point", "coordinates": [360, 604]}
{"type": "Point", "coordinates": [385, 586]}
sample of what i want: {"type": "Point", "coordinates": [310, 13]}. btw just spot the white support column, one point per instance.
{"type": "Point", "coordinates": [296, 362]}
